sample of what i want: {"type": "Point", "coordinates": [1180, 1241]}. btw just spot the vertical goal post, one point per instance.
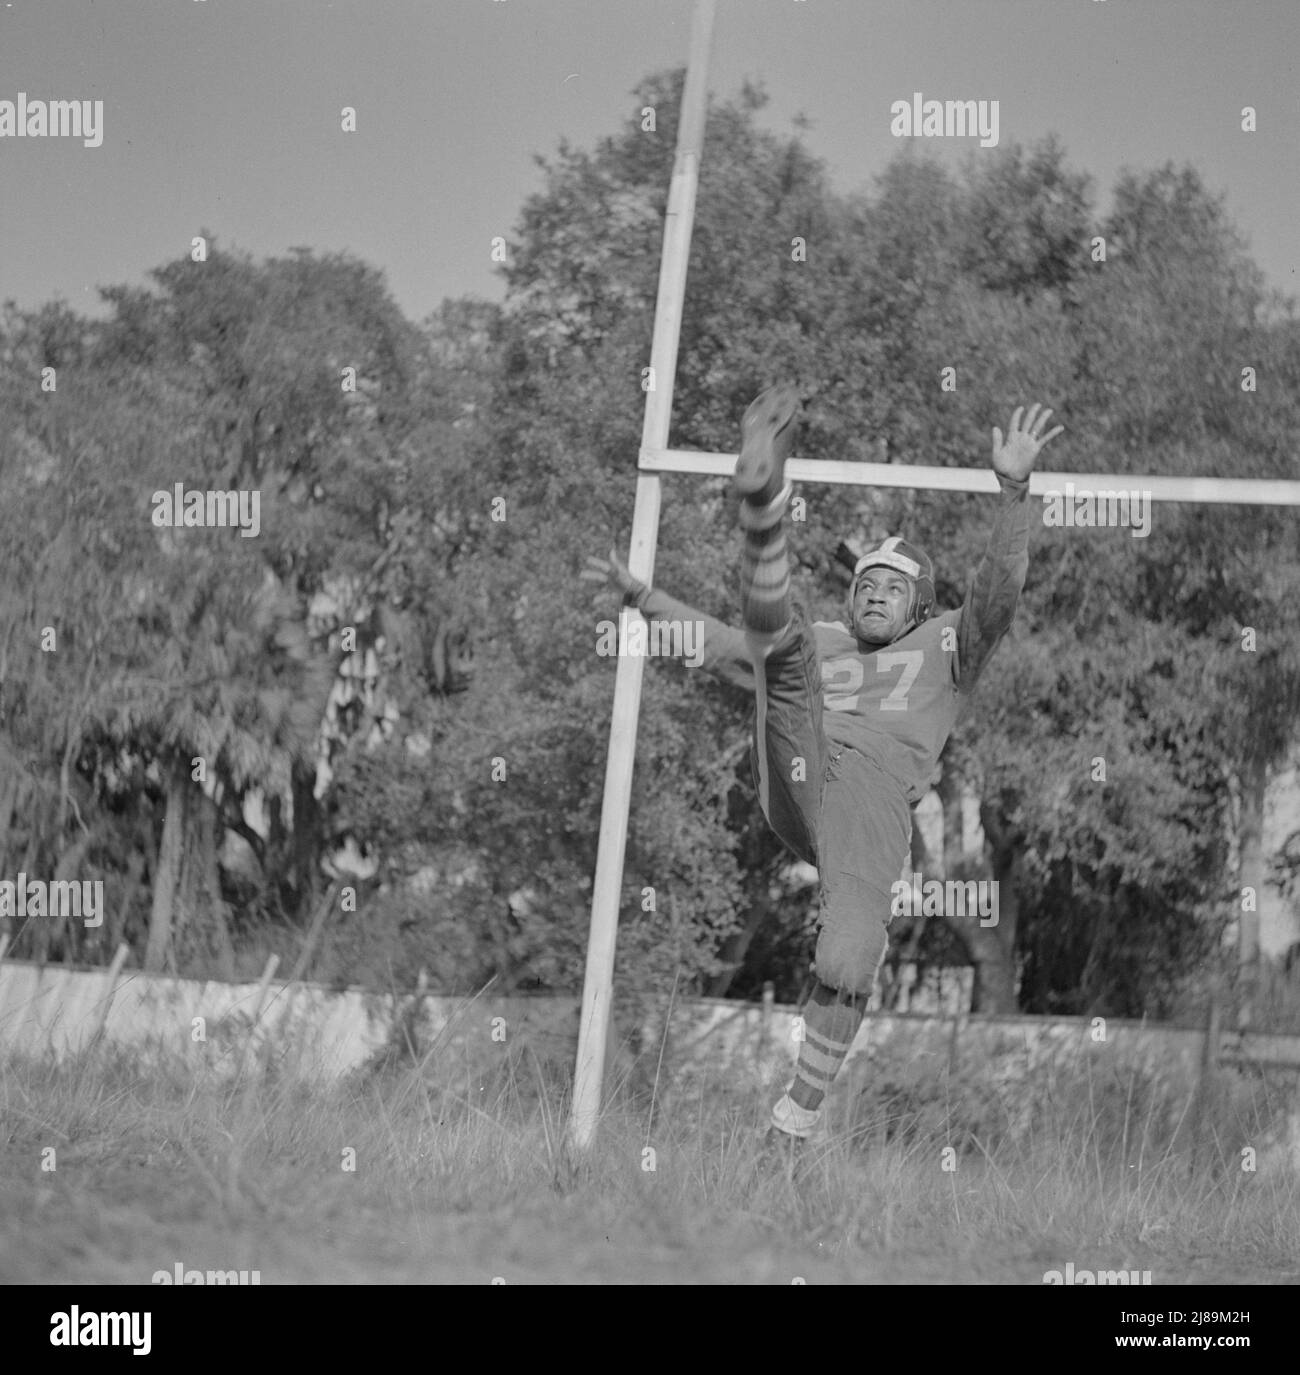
{"type": "Point", "coordinates": [597, 984]}
{"type": "Point", "coordinates": [654, 458]}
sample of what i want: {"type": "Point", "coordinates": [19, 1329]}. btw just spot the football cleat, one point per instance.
{"type": "Point", "coordinates": [766, 440]}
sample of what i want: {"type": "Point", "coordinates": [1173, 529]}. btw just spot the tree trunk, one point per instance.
{"type": "Point", "coordinates": [993, 948]}
{"type": "Point", "coordinates": [919, 856]}
{"type": "Point", "coordinates": [188, 920]}
{"type": "Point", "coordinates": [205, 942]}
{"type": "Point", "coordinates": [167, 871]}
{"type": "Point", "coordinates": [736, 946]}
{"type": "Point", "coordinates": [306, 838]}
{"type": "Point", "coordinates": [65, 869]}
{"type": "Point", "coordinates": [115, 932]}
{"type": "Point", "coordinates": [949, 789]}
{"type": "Point", "coordinates": [40, 928]}
{"type": "Point", "coordinates": [906, 935]}
{"type": "Point", "coordinates": [11, 790]}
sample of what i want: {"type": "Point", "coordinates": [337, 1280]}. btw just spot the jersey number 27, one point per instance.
{"type": "Point", "coordinates": [842, 679]}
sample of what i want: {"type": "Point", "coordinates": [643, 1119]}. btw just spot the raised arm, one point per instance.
{"type": "Point", "coordinates": [721, 647]}
{"type": "Point", "coordinates": [991, 600]}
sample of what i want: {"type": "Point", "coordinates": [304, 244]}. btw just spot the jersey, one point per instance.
{"type": "Point", "coordinates": [896, 704]}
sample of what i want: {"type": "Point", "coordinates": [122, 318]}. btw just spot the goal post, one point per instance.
{"type": "Point", "coordinates": [597, 985]}
{"type": "Point", "coordinates": [654, 458]}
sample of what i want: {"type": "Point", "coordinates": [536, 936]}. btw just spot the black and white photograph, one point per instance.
{"type": "Point", "coordinates": [649, 643]}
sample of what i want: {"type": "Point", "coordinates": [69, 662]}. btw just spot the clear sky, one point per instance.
{"type": "Point", "coordinates": [226, 113]}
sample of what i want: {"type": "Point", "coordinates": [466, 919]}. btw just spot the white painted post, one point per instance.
{"type": "Point", "coordinates": [1240, 491]}
{"type": "Point", "coordinates": [597, 985]}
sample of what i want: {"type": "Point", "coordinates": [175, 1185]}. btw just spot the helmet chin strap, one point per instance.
{"type": "Point", "coordinates": [912, 607]}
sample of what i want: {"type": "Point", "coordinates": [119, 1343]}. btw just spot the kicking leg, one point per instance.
{"type": "Point", "coordinates": [766, 440]}
{"type": "Point", "coordinates": [767, 437]}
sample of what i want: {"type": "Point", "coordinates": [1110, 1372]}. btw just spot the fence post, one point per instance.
{"type": "Point", "coordinates": [1208, 1077]}
{"type": "Point", "coordinates": [114, 969]}
{"type": "Point", "coordinates": [765, 1023]}
{"type": "Point", "coordinates": [271, 966]}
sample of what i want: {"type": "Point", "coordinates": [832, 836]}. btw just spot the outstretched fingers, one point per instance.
{"type": "Point", "coordinates": [1036, 432]}
{"type": "Point", "coordinates": [1035, 423]}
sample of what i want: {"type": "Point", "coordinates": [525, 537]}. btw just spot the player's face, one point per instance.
{"type": "Point", "coordinates": [880, 606]}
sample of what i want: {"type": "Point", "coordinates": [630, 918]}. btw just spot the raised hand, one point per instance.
{"type": "Point", "coordinates": [613, 572]}
{"type": "Point", "coordinates": [1016, 457]}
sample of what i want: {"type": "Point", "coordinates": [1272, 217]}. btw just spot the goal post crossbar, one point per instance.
{"type": "Point", "coordinates": [1239, 491]}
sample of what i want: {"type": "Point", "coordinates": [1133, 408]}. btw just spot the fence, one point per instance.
{"type": "Point", "coordinates": [314, 1032]}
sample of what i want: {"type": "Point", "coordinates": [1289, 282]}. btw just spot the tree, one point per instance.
{"type": "Point", "coordinates": [236, 376]}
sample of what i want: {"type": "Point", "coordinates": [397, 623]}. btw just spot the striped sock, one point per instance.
{"type": "Point", "coordinates": [765, 564]}
{"type": "Point", "coordinates": [831, 1021]}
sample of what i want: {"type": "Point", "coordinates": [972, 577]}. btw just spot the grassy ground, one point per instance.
{"type": "Point", "coordinates": [460, 1178]}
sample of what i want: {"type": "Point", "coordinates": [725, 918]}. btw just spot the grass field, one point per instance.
{"type": "Point", "coordinates": [460, 1178]}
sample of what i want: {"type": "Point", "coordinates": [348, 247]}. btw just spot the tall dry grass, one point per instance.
{"type": "Point", "coordinates": [459, 1171]}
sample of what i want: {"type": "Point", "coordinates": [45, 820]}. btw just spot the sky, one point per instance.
{"type": "Point", "coordinates": [226, 114]}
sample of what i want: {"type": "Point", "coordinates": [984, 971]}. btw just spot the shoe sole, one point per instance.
{"type": "Point", "coordinates": [766, 438]}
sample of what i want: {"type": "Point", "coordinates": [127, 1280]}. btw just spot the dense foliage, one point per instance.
{"type": "Point", "coordinates": [430, 521]}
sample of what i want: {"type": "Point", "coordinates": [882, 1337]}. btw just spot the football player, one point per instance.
{"type": "Point", "coordinates": [852, 715]}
